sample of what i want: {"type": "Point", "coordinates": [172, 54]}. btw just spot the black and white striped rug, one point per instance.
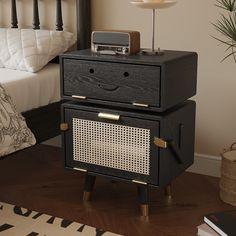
{"type": "Point", "coordinates": [18, 221]}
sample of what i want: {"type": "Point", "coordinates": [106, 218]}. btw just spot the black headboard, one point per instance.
{"type": "Point", "coordinates": [83, 23]}
{"type": "Point", "coordinates": [83, 10]}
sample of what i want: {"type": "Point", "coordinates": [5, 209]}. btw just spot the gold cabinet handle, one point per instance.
{"type": "Point", "coordinates": [64, 126]}
{"type": "Point", "coordinates": [160, 142]}
{"type": "Point", "coordinates": [108, 116]}
{"type": "Point", "coordinates": [172, 147]}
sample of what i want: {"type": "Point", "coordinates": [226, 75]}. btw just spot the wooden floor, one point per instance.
{"type": "Point", "coordinates": [35, 179]}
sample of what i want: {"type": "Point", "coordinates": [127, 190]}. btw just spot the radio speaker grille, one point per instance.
{"type": "Point", "coordinates": [110, 145]}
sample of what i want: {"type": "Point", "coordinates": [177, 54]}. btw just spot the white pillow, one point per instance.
{"type": "Point", "coordinates": [30, 50]}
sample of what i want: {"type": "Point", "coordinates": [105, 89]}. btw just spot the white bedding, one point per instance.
{"type": "Point", "coordinates": [32, 90]}
{"type": "Point", "coordinates": [30, 50]}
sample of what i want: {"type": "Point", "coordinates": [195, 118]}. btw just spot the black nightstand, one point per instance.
{"type": "Point", "coordinates": [129, 118]}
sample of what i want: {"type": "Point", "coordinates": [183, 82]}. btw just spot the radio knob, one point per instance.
{"type": "Point", "coordinates": [123, 50]}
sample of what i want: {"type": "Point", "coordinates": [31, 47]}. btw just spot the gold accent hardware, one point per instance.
{"type": "Point", "coordinates": [78, 97]}
{"type": "Point", "coordinates": [64, 126]}
{"type": "Point", "coordinates": [144, 210]}
{"type": "Point", "coordinates": [108, 116]}
{"type": "Point", "coordinates": [140, 104]}
{"type": "Point", "coordinates": [168, 191]}
{"type": "Point", "coordinates": [160, 142]}
{"type": "Point", "coordinates": [79, 169]}
{"type": "Point", "coordinates": [139, 182]}
{"type": "Point", "coordinates": [87, 196]}
{"type": "Point", "coordinates": [168, 195]}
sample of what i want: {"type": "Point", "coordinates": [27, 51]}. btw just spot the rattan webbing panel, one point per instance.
{"type": "Point", "coordinates": [110, 145]}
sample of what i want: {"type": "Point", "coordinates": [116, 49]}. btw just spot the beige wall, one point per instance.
{"type": "Point", "coordinates": [185, 26]}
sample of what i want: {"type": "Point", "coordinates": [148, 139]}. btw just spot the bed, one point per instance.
{"type": "Point", "coordinates": [37, 95]}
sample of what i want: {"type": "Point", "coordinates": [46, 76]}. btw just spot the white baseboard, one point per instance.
{"type": "Point", "coordinates": [203, 164]}
{"type": "Point", "coordinates": [206, 165]}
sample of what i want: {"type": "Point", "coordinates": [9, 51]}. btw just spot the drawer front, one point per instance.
{"type": "Point", "coordinates": [118, 82]}
{"type": "Point", "coordinates": [122, 148]}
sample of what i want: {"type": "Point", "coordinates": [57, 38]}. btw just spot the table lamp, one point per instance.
{"type": "Point", "coordinates": [153, 4]}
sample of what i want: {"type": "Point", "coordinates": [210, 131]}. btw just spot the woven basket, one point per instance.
{"type": "Point", "coordinates": [228, 176]}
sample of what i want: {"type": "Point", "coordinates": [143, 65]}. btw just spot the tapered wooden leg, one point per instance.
{"type": "Point", "coordinates": [168, 195]}
{"type": "Point", "coordinates": [143, 197]}
{"type": "Point", "coordinates": [168, 191]}
{"type": "Point", "coordinates": [88, 187]}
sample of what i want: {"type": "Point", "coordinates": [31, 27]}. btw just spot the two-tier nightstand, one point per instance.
{"type": "Point", "coordinates": [129, 117]}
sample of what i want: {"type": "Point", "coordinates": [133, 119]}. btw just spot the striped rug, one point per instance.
{"type": "Point", "coordinates": [18, 221]}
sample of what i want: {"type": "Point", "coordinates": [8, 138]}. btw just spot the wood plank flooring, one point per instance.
{"type": "Point", "coordinates": [36, 179]}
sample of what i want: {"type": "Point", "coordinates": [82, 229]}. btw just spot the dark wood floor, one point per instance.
{"type": "Point", "coordinates": [35, 179]}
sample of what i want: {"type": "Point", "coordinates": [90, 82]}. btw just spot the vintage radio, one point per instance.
{"type": "Point", "coordinates": [115, 42]}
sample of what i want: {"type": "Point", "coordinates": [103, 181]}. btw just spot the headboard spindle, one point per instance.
{"type": "Point", "coordinates": [36, 22]}
{"type": "Point", "coordinates": [83, 23]}
{"type": "Point", "coordinates": [59, 21]}
{"type": "Point", "coordinates": [14, 21]}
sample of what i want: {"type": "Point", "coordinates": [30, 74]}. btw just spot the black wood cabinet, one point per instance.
{"type": "Point", "coordinates": [125, 147]}
{"type": "Point", "coordinates": [139, 82]}
{"type": "Point", "coordinates": [129, 117]}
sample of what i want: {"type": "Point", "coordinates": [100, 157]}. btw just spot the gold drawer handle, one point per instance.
{"type": "Point", "coordinates": [79, 169]}
{"type": "Point", "coordinates": [108, 116]}
{"type": "Point", "coordinates": [140, 104]}
{"type": "Point", "coordinates": [79, 97]}
{"type": "Point", "coordinates": [139, 182]}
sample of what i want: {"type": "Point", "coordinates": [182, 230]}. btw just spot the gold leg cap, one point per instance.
{"type": "Point", "coordinates": [144, 210]}
{"type": "Point", "coordinates": [168, 191]}
{"type": "Point", "coordinates": [87, 196]}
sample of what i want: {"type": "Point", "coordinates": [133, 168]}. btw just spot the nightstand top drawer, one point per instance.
{"type": "Point", "coordinates": [138, 81]}
{"type": "Point", "coordinates": [117, 82]}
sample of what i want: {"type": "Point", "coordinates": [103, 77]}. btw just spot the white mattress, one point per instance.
{"type": "Point", "coordinates": [32, 90]}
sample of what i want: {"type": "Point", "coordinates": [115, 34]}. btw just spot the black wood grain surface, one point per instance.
{"type": "Point", "coordinates": [164, 166]}
{"type": "Point", "coordinates": [160, 82]}
{"type": "Point", "coordinates": [112, 81]}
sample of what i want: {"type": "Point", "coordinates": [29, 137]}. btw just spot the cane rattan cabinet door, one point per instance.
{"type": "Point", "coordinates": [112, 144]}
